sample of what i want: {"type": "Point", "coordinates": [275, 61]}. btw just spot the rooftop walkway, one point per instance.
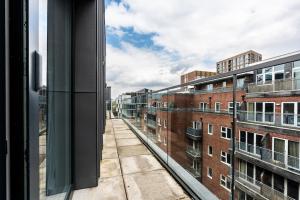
{"type": "Point", "coordinates": [129, 171]}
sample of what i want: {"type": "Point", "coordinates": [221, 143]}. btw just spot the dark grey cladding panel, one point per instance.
{"type": "Point", "coordinates": [85, 53]}
{"type": "Point", "coordinates": [85, 140]}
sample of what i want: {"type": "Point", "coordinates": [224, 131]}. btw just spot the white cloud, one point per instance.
{"type": "Point", "coordinates": [201, 30]}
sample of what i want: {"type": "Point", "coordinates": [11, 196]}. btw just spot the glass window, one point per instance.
{"type": "Point", "coordinates": [269, 112]}
{"type": "Point", "coordinates": [259, 111]}
{"type": "Point", "coordinates": [297, 64]}
{"type": "Point", "coordinates": [279, 148]}
{"type": "Point", "coordinates": [209, 172]}
{"type": "Point", "coordinates": [288, 113]}
{"type": "Point", "coordinates": [210, 150]}
{"type": "Point", "coordinates": [293, 154]}
{"type": "Point", "coordinates": [259, 79]}
{"type": "Point", "coordinates": [279, 183]}
{"type": "Point", "coordinates": [217, 107]}
{"type": "Point", "coordinates": [210, 129]}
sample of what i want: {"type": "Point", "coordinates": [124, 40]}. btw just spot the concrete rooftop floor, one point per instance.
{"type": "Point", "coordinates": [129, 171]}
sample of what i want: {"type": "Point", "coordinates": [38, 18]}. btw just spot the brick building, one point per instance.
{"type": "Point", "coordinates": [196, 128]}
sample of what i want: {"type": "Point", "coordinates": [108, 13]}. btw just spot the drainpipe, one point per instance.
{"type": "Point", "coordinates": [233, 136]}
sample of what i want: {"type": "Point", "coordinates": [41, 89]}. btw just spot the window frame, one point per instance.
{"type": "Point", "coordinates": [208, 151]}
{"type": "Point", "coordinates": [225, 180]}
{"type": "Point", "coordinates": [226, 128]}
{"type": "Point", "coordinates": [263, 112]}
{"type": "Point", "coordinates": [212, 129]}
{"type": "Point", "coordinates": [217, 103]}
{"type": "Point", "coordinates": [208, 172]}
{"type": "Point", "coordinates": [226, 162]}
{"type": "Point", "coordinates": [296, 114]}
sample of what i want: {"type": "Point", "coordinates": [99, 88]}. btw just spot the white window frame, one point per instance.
{"type": "Point", "coordinates": [226, 160]}
{"type": "Point", "coordinates": [212, 151]}
{"type": "Point", "coordinates": [237, 105]}
{"type": "Point", "coordinates": [246, 143]}
{"type": "Point", "coordinates": [203, 106]}
{"type": "Point", "coordinates": [217, 103]}
{"type": "Point", "coordinates": [212, 129]}
{"type": "Point", "coordinates": [196, 125]}
{"type": "Point", "coordinates": [165, 104]}
{"type": "Point", "coordinates": [225, 182]}
{"type": "Point", "coordinates": [263, 112]}
{"type": "Point", "coordinates": [226, 128]}
{"type": "Point", "coordinates": [295, 114]}
{"type": "Point", "coordinates": [286, 147]}
{"type": "Point", "coordinates": [145, 116]}
{"type": "Point", "coordinates": [208, 175]}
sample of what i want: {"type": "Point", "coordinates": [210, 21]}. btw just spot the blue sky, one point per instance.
{"type": "Point", "coordinates": [150, 43]}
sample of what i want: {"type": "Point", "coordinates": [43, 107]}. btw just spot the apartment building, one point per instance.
{"type": "Point", "coordinates": [195, 128]}
{"type": "Point", "coordinates": [185, 78]}
{"type": "Point", "coordinates": [238, 61]}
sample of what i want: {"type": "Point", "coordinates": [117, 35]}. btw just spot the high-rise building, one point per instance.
{"type": "Point", "coordinates": [238, 61]}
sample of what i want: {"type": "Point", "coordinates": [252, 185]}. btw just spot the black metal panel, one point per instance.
{"type": "Point", "coordinates": [85, 46]}
{"type": "Point", "coordinates": [2, 103]}
{"type": "Point", "coordinates": [85, 140]}
{"type": "Point", "coordinates": [15, 86]}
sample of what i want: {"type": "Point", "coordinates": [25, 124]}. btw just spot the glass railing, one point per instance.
{"type": "Point", "coordinates": [271, 118]}
{"type": "Point", "coordinates": [262, 189]}
{"type": "Point", "coordinates": [275, 86]}
{"type": "Point", "coordinates": [167, 129]}
{"type": "Point", "coordinates": [280, 159]}
{"type": "Point", "coordinates": [193, 152]}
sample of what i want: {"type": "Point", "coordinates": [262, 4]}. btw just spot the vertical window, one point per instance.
{"type": "Point", "coordinates": [217, 106]}
{"type": "Point", "coordinates": [203, 106]}
{"type": "Point", "coordinates": [210, 129]}
{"type": "Point", "coordinates": [226, 132]}
{"type": "Point", "coordinates": [224, 182]}
{"type": "Point", "coordinates": [210, 150]}
{"type": "Point", "coordinates": [268, 75]}
{"type": "Point", "coordinates": [290, 114]}
{"type": "Point", "coordinates": [293, 154]}
{"type": "Point", "coordinates": [225, 157]}
{"type": "Point", "coordinates": [209, 87]}
{"type": "Point", "coordinates": [279, 149]}
{"type": "Point", "coordinates": [209, 172]}
{"type": "Point", "coordinates": [240, 83]}
{"type": "Point", "coordinates": [230, 106]}
{"type": "Point", "coordinates": [224, 84]}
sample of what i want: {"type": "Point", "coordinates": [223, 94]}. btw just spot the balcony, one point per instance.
{"type": "Point", "coordinates": [195, 173]}
{"type": "Point", "coordinates": [193, 152]}
{"type": "Point", "coordinates": [151, 123]}
{"type": "Point", "coordinates": [280, 86]}
{"type": "Point", "coordinates": [257, 189]}
{"type": "Point", "coordinates": [271, 119]}
{"type": "Point", "coordinates": [194, 134]}
{"type": "Point", "coordinates": [129, 170]}
{"type": "Point", "coordinates": [151, 110]}
{"type": "Point", "coordinates": [280, 163]}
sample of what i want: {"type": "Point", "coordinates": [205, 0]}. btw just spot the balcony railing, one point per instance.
{"type": "Point", "coordinates": [260, 188]}
{"type": "Point", "coordinates": [151, 123]}
{"type": "Point", "coordinates": [194, 172]}
{"type": "Point", "coordinates": [151, 110]}
{"type": "Point", "coordinates": [216, 90]}
{"type": "Point", "coordinates": [281, 159]}
{"type": "Point", "coordinates": [275, 86]}
{"type": "Point", "coordinates": [270, 118]}
{"type": "Point", "coordinates": [193, 152]}
{"type": "Point", "coordinates": [193, 133]}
